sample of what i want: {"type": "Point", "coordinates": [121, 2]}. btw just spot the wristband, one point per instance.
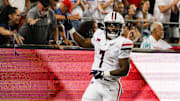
{"type": "Point", "coordinates": [71, 31]}
{"type": "Point", "coordinates": [106, 74]}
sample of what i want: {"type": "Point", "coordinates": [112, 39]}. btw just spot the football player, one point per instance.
{"type": "Point", "coordinates": [111, 58]}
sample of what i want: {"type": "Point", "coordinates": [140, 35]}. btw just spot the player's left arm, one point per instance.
{"type": "Point", "coordinates": [124, 61]}
{"type": "Point", "coordinates": [124, 68]}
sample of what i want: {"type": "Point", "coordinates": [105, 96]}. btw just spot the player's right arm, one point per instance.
{"type": "Point", "coordinates": [80, 40]}
{"type": "Point", "coordinates": [124, 70]}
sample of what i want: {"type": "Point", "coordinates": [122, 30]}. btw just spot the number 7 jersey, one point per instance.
{"type": "Point", "coordinates": [108, 52]}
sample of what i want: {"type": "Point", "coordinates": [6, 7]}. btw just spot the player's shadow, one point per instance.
{"type": "Point", "coordinates": [53, 82]}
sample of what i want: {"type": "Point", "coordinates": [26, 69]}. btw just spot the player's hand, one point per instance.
{"type": "Point", "coordinates": [97, 74]}
{"type": "Point", "coordinates": [68, 24]}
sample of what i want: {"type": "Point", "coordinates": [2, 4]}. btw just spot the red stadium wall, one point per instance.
{"type": "Point", "coordinates": [58, 75]}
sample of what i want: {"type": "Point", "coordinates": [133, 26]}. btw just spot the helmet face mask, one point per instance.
{"type": "Point", "coordinates": [113, 30]}
{"type": "Point", "coordinates": [113, 25]}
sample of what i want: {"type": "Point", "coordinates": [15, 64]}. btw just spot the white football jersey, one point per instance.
{"type": "Point", "coordinates": [108, 52]}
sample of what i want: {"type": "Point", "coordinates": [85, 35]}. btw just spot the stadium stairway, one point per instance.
{"type": "Point", "coordinates": [58, 75]}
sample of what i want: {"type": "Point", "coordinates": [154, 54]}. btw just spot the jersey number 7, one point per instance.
{"type": "Point", "coordinates": [102, 57]}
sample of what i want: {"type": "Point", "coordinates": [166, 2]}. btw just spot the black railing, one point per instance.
{"type": "Point", "coordinates": [39, 46]}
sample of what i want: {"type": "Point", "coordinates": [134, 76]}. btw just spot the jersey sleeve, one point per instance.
{"type": "Point", "coordinates": [126, 49]}
{"type": "Point", "coordinates": [93, 40]}
{"type": "Point", "coordinates": [95, 36]}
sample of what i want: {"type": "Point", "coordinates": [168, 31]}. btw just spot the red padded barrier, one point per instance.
{"type": "Point", "coordinates": [58, 75]}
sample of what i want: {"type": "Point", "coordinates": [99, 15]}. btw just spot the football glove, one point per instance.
{"type": "Point", "coordinates": [97, 74]}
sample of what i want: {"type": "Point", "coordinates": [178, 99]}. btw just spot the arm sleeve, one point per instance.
{"type": "Point", "coordinates": [95, 38]}
{"type": "Point", "coordinates": [92, 41]}
{"type": "Point", "coordinates": [126, 49]}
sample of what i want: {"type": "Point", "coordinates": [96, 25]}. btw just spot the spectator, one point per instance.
{"type": "Point", "coordinates": [40, 24]}
{"type": "Point", "coordinates": [131, 33]}
{"type": "Point", "coordinates": [145, 16]}
{"type": "Point", "coordinates": [130, 29]}
{"type": "Point", "coordinates": [174, 36]}
{"type": "Point", "coordinates": [77, 8]}
{"type": "Point", "coordinates": [23, 6]}
{"type": "Point", "coordinates": [64, 8]}
{"type": "Point", "coordinates": [87, 28]}
{"type": "Point", "coordinates": [9, 21]}
{"type": "Point", "coordinates": [105, 6]}
{"type": "Point", "coordinates": [119, 7]}
{"type": "Point", "coordinates": [91, 8]}
{"type": "Point", "coordinates": [62, 37]}
{"type": "Point", "coordinates": [155, 40]}
{"type": "Point", "coordinates": [162, 12]}
{"type": "Point", "coordinates": [131, 15]}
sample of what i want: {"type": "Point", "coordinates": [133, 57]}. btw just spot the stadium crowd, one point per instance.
{"type": "Point", "coordinates": [39, 21]}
